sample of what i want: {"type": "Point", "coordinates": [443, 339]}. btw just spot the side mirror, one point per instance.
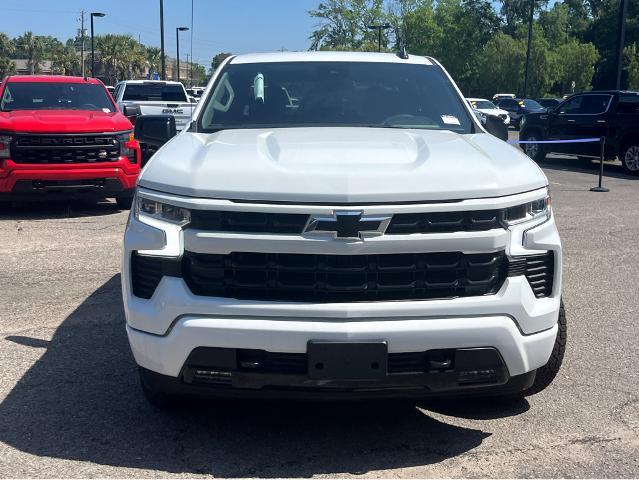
{"type": "Point", "coordinates": [155, 130]}
{"type": "Point", "coordinates": [495, 126]}
{"type": "Point", "coordinates": [131, 110]}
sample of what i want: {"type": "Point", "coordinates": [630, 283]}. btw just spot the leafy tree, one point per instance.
{"type": "Point", "coordinates": [31, 47]}
{"type": "Point", "coordinates": [65, 61]}
{"type": "Point", "coordinates": [199, 76]}
{"type": "Point", "coordinates": [218, 59]}
{"type": "Point", "coordinates": [153, 58]}
{"type": "Point", "coordinates": [631, 63]}
{"type": "Point", "coordinates": [577, 65]}
{"type": "Point", "coordinates": [344, 25]}
{"type": "Point", "coordinates": [556, 24]}
{"type": "Point", "coordinates": [516, 12]}
{"type": "Point", "coordinates": [120, 57]}
{"type": "Point", "coordinates": [502, 65]}
{"type": "Point", "coordinates": [6, 50]}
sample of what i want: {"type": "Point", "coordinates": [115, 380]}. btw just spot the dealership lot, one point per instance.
{"type": "Point", "coordinates": [70, 403]}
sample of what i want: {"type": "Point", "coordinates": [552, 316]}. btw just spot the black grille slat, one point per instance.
{"type": "Point", "coordinates": [56, 149]}
{"type": "Point", "coordinates": [335, 278]}
{"type": "Point", "coordinates": [538, 269]}
{"type": "Point", "coordinates": [294, 223]}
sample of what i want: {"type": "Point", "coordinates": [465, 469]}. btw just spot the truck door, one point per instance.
{"type": "Point", "coordinates": [592, 122]}
{"type": "Point", "coordinates": [562, 125]}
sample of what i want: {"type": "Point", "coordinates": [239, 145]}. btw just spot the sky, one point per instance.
{"type": "Point", "coordinates": [236, 26]}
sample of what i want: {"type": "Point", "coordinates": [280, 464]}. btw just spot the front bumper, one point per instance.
{"type": "Point", "coordinates": [165, 329]}
{"type": "Point", "coordinates": [33, 181]}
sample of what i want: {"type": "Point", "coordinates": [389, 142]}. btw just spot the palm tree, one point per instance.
{"type": "Point", "coordinates": [153, 59]}
{"type": "Point", "coordinates": [33, 49]}
{"type": "Point", "coordinates": [64, 60]}
{"type": "Point", "coordinates": [6, 49]}
{"type": "Point", "coordinates": [120, 56]}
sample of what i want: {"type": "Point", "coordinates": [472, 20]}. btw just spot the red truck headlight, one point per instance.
{"type": "Point", "coordinates": [5, 146]}
{"type": "Point", "coordinates": [128, 146]}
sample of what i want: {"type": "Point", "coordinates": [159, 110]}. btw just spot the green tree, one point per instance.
{"type": "Point", "coordinates": [577, 65]}
{"type": "Point", "coordinates": [631, 64]}
{"type": "Point", "coordinates": [343, 25]}
{"type": "Point", "coordinates": [31, 47]}
{"type": "Point", "coordinates": [65, 61]}
{"type": "Point", "coordinates": [6, 50]}
{"type": "Point", "coordinates": [153, 59]}
{"type": "Point", "coordinates": [120, 57]}
{"type": "Point", "coordinates": [502, 65]}
{"type": "Point", "coordinates": [516, 12]}
{"type": "Point", "coordinates": [218, 59]}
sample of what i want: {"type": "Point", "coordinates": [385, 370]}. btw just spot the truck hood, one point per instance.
{"type": "Point", "coordinates": [63, 121]}
{"type": "Point", "coordinates": [340, 165]}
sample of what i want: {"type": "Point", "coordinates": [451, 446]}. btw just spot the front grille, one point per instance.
{"type": "Point", "coordinates": [56, 149]}
{"type": "Point", "coordinates": [538, 269]}
{"type": "Point", "coordinates": [293, 223]}
{"type": "Point", "coordinates": [441, 222]}
{"type": "Point", "coordinates": [344, 278]}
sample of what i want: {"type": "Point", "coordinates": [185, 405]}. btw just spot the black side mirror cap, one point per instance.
{"type": "Point", "coordinates": [131, 110]}
{"type": "Point", "coordinates": [496, 126]}
{"type": "Point", "coordinates": [155, 130]}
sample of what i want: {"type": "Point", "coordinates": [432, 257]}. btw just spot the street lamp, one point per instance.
{"type": "Point", "coordinates": [379, 28]}
{"type": "Point", "coordinates": [94, 14]}
{"type": "Point", "coordinates": [177, 40]}
{"type": "Point", "coordinates": [163, 61]}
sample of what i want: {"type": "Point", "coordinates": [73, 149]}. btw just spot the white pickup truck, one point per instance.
{"type": "Point", "coordinates": [156, 98]}
{"type": "Point", "coordinates": [340, 225]}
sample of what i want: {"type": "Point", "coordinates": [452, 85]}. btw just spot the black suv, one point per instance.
{"type": "Point", "coordinates": [518, 107]}
{"type": "Point", "coordinates": [610, 114]}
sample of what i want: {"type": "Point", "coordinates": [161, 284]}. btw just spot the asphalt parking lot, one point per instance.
{"type": "Point", "coordinates": [70, 405]}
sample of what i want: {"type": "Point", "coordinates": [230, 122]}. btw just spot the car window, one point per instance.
{"type": "Point", "coordinates": [628, 105]}
{"type": "Point", "coordinates": [508, 103]}
{"type": "Point", "coordinates": [55, 96]}
{"type": "Point", "coordinates": [296, 94]}
{"type": "Point", "coordinates": [154, 92]}
{"type": "Point", "coordinates": [482, 104]}
{"type": "Point", "coordinates": [585, 105]}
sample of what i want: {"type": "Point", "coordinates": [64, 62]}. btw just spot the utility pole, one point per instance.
{"type": "Point", "coordinates": [530, 24]}
{"type": "Point", "coordinates": [188, 73]}
{"type": "Point", "coordinates": [623, 11]}
{"type": "Point", "coordinates": [82, 41]}
{"type": "Point", "coordinates": [162, 39]}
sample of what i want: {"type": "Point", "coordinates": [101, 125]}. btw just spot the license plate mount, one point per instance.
{"type": "Point", "coordinates": [347, 360]}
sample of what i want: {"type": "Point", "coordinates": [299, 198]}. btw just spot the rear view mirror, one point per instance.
{"type": "Point", "coordinates": [155, 130]}
{"type": "Point", "coordinates": [496, 126]}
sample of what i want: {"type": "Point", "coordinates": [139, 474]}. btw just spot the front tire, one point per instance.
{"type": "Point", "coordinates": [534, 150]}
{"type": "Point", "coordinates": [547, 373]}
{"type": "Point", "coordinates": [630, 158]}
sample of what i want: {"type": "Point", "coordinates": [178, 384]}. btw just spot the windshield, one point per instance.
{"type": "Point", "coordinates": [482, 104]}
{"type": "Point", "coordinates": [154, 92]}
{"type": "Point", "coordinates": [352, 94]}
{"type": "Point", "coordinates": [531, 105]}
{"type": "Point", "coordinates": [55, 96]}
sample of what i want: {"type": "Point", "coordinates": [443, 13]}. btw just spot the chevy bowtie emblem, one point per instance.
{"type": "Point", "coordinates": [347, 224]}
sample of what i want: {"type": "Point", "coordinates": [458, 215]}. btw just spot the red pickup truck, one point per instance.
{"type": "Point", "coordinates": [62, 136]}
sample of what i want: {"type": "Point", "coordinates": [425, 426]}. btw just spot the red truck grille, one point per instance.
{"type": "Point", "coordinates": [51, 149]}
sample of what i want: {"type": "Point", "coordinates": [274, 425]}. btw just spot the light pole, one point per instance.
{"type": "Point", "coordinates": [163, 62]}
{"type": "Point", "coordinates": [177, 41]}
{"type": "Point", "coordinates": [530, 23]}
{"type": "Point", "coordinates": [623, 11]}
{"type": "Point", "coordinates": [94, 14]}
{"type": "Point", "coordinates": [379, 28]}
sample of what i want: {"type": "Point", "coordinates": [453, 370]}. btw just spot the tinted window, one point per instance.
{"type": "Point", "coordinates": [482, 104]}
{"type": "Point", "coordinates": [293, 94]}
{"type": "Point", "coordinates": [150, 92]}
{"type": "Point", "coordinates": [628, 104]}
{"type": "Point", "coordinates": [507, 104]}
{"type": "Point", "coordinates": [55, 96]}
{"type": "Point", "coordinates": [530, 104]}
{"type": "Point", "coordinates": [585, 105]}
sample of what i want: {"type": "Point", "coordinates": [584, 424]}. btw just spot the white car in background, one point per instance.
{"type": "Point", "coordinates": [487, 107]}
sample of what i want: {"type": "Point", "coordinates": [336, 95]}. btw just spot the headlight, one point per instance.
{"type": "Point", "coordinates": [527, 212]}
{"type": "Point", "coordinates": [165, 212]}
{"type": "Point", "coordinates": [126, 146]}
{"type": "Point", "coordinates": [5, 146]}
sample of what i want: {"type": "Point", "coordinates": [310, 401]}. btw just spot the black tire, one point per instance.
{"type": "Point", "coordinates": [630, 157]}
{"type": "Point", "coordinates": [124, 203]}
{"type": "Point", "coordinates": [534, 151]}
{"type": "Point", "coordinates": [547, 373]}
{"type": "Point", "coordinates": [153, 395]}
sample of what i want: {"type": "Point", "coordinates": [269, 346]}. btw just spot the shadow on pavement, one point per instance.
{"type": "Point", "coordinates": [56, 209]}
{"type": "Point", "coordinates": [81, 401]}
{"type": "Point", "coordinates": [613, 170]}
